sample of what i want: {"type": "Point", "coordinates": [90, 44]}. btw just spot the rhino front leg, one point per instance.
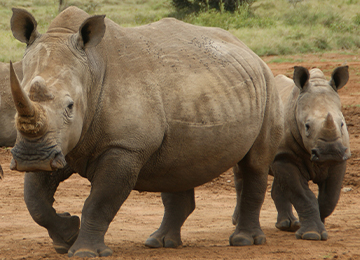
{"type": "Point", "coordinates": [329, 190]}
{"type": "Point", "coordinates": [296, 189]}
{"type": "Point", "coordinates": [113, 177]}
{"type": "Point", "coordinates": [178, 206]}
{"type": "Point", "coordinates": [286, 221]}
{"type": "Point", "coordinates": [39, 189]}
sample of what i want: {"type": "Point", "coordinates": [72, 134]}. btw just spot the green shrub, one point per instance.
{"type": "Point", "coordinates": [356, 19]}
{"type": "Point", "coordinates": [220, 5]}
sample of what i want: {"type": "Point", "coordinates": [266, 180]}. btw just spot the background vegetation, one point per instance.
{"type": "Point", "coordinates": [269, 27]}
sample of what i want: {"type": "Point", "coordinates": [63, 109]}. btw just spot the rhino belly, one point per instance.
{"type": "Point", "coordinates": [193, 155]}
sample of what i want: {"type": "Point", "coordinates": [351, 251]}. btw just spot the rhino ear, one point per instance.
{"type": "Point", "coordinates": [339, 77]}
{"type": "Point", "coordinates": [91, 31]}
{"type": "Point", "coordinates": [301, 77]}
{"type": "Point", "coordinates": [23, 26]}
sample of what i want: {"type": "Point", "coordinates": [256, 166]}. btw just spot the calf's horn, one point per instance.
{"type": "Point", "coordinates": [329, 122]}
{"type": "Point", "coordinates": [22, 102]}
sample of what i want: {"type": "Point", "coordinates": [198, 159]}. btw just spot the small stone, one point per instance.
{"type": "Point", "coordinates": [346, 189]}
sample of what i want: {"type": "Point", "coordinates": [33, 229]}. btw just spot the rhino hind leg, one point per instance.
{"type": "Point", "coordinates": [178, 206]}
{"type": "Point", "coordinates": [286, 221]}
{"type": "Point", "coordinates": [238, 186]}
{"type": "Point", "coordinates": [251, 176]}
{"type": "Point", "coordinates": [247, 211]}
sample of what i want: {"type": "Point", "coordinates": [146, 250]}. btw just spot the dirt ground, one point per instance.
{"type": "Point", "coordinates": [206, 233]}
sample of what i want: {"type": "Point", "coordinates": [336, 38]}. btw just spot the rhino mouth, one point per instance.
{"type": "Point", "coordinates": [329, 151]}
{"type": "Point", "coordinates": [28, 156]}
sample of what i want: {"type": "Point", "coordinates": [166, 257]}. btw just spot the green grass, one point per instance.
{"type": "Point", "coordinates": [269, 27]}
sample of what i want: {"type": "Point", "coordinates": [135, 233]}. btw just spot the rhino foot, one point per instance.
{"type": "Point", "coordinates": [312, 235]}
{"type": "Point", "coordinates": [89, 246]}
{"type": "Point", "coordinates": [83, 252]}
{"type": "Point", "coordinates": [288, 225]}
{"type": "Point", "coordinates": [246, 238]}
{"type": "Point", "coordinates": [156, 242]}
{"type": "Point", "coordinates": [66, 232]}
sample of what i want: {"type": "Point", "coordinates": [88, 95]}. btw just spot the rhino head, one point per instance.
{"type": "Point", "coordinates": [318, 114]}
{"type": "Point", "coordinates": [51, 101]}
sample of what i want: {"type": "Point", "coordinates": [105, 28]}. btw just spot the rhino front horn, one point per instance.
{"type": "Point", "coordinates": [31, 117]}
{"type": "Point", "coordinates": [329, 122]}
{"type": "Point", "coordinates": [22, 102]}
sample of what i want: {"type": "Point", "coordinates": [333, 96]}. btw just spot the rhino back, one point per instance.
{"type": "Point", "coordinates": [198, 95]}
{"type": "Point", "coordinates": [285, 86]}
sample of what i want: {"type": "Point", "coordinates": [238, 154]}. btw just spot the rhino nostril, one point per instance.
{"type": "Point", "coordinates": [315, 154]}
{"type": "Point", "coordinates": [58, 162]}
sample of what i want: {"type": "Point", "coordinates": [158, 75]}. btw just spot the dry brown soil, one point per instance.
{"type": "Point", "coordinates": [206, 232]}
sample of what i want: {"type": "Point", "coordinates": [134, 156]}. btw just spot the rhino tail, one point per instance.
{"type": "Point", "coordinates": [1, 173]}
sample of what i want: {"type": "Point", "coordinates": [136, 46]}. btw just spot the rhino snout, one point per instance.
{"type": "Point", "coordinates": [48, 158]}
{"type": "Point", "coordinates": [329, 152]}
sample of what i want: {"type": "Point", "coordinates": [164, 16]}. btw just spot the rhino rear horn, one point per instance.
{"type": "Point", "coordinates": [39, 91]}
{"type": "Point", "coordinates": [339, 77]}
{"type": "Point", "coordinates": [23, 26]}
{"type": "Point", "coordinates": [301, 77]}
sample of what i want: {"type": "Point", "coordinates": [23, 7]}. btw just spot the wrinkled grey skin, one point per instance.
{"type": "Point", "coordinates": [315, 148]}
{"type": "Point", "coordinates": [163, 107]}
{"type": "Point", "coordinates": [7, 107]}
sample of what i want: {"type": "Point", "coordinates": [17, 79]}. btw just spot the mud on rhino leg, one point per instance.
{"type": "Point", "coordinates": [178, 206]}
{"type": "Point", "coordinates": [39, 190]}
{"type": "Point", "coordinates": [296, 189]}
{"type": "Point", "coordinates": [329, 190]}
{"type": "Point", "coordinates": [286, 221]}
{"type": "Point", "coordinates": [113, 177]}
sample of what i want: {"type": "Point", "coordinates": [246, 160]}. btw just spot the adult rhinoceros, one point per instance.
{"type": "Point", "coordinates": [7, 107]}
{"type": "Point", "coordinates": [315, 146]}
{"type": "Point", "coordinates": [163, 107]}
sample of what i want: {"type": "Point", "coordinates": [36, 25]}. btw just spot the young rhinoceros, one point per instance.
{"type": "Point", "coordinates": [163, 107]}
{"type": "Point", "coordinates": [315, 147]}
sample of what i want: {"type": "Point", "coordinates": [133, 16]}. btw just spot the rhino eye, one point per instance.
{"type": "Point", "coordinates": [342, 124]}
{"type": "Point", "coordinates": [68, 113]}
{"type": "Point", "coordinates": [307, 129]}
{"type": "Point", "coordinates": [71, 105]}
